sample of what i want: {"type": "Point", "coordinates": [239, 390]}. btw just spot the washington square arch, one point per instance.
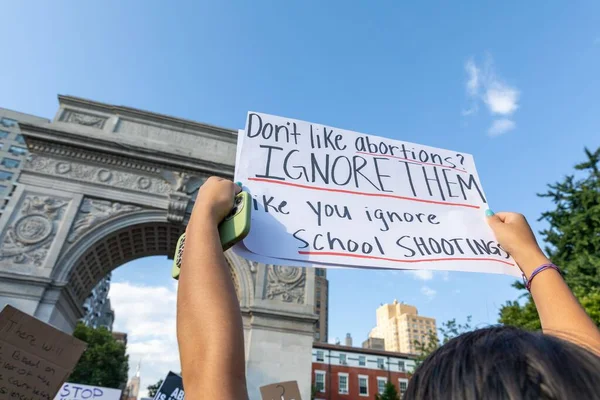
{"type": "Point", "coordinates": [104, 185]}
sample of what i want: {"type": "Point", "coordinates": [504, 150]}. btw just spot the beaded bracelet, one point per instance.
{"type": "Point", "coordinates": [537, 271]}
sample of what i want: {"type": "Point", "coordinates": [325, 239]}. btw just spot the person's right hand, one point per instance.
{"type": "Point", "coordinates": [516, 237]}
{"type": "Point", "coordinates": [215, 200]}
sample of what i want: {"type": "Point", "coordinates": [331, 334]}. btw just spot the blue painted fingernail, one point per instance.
{"type": "Point", "coordinates": [239, 184]}
{"type": "Point", "coordinates": [489, 213]}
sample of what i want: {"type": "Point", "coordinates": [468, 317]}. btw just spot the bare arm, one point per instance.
{"type": "Point", "coordinates": [559, 311]}
{"type": "Point", "coordinates": [209, 322]}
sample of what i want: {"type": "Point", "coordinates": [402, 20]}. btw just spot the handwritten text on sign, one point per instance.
{"type": "Point", "coordinates": [35, 358]}
{"type": "Point", "coordinates": [327, 195]}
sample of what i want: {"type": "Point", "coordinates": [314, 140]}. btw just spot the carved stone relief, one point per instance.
{"type": "Point", "coordinates": [94, 211]}
{"type": "Point", "coordinates": [183, 185]}
{"type": "Point", "coordinates": [286, 283]}
{"type": "Point", "coordinates": [29, 237]}
{"type": "Point", "coordinates": [76, 117]}
{"type": "Point", "coordinates": [97, 174]}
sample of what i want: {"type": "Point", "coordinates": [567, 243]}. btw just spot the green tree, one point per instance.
{"type": "Point", "coordinates": [152, 389]}
{"type": "Point", "coordinates": [104, 363]}
{"type": "Point", "coordinates": [389, 393]}
{"type": "Point", "coordinates": [572, 242]}
{"type": "Point", "coordinates": [449, 330]}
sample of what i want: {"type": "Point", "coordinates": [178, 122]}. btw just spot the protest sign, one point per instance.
{"type": "Point", "coordinates": [76, 391]}
{"type": "Point", "coordinates": [281, 391]}
{"type": "Point", "coordinates": [328, 196]}
{"type": "Point", "coordinates": [171, 388]}
{"type": "Point", "coordinates": [35, 358]}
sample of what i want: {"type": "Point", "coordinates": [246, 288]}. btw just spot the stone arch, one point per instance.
{"type": "Point", "coordinates": [112, 243]}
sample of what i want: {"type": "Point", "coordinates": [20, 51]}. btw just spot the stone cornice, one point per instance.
{"type": "Point", "coordinates": [219, 132]}
{"type": "Point", "coordinates": [43, 139]}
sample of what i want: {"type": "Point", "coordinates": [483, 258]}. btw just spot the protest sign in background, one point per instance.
{"type": "Point", "coordinates": [76, 391]}
{"type": "Point", "coordinates": [171, 389]}
{"type": "Point", "coordinates": [325, 196]}
{"type": "Point", "coordinates": [35, 358]}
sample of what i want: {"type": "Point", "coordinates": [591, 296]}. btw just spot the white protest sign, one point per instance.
{"type": "Point", "coordinates": [330, 196]}
{"type": "Point", "coordinates": [76, 391]}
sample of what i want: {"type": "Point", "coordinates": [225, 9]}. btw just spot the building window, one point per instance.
{"type": "Point", "coordinates": [343, 383]}
{"type": "Point", "coordinates": [317, 336]}
{"type": "Point", "coordinates": [10, 163]}
{"type": "Point", "coordinates": [403, 386]}
{"type": "Point", "coordinates": [3, 134]}
{"type": "Point", "coordinates": [318, 291]}
{"type": "Point", "coordinates": [343, 359]}
{"type": "Point", "coordinates": [381, 381]}
{"type": "Point", "coordinates": [362, 361]}
{"type": "Point", "coordinates": [8, 123]}
{"type": "Point", "coordinates": [380, 363]}
{"type": "Point", "coordinates": [320, 381]}
{"type": "Point", "coordinates": [5, 175]}
{"type": "Point", "coordinates": [20, 139]}
{"type": "Point", "coordinates": [363, 385]}
{"type": "Point", "coordinates": [401, 367]}
{"type": "Point", "coordinates": [17, 151]}
{"type": "Point", "coordinates": [320, 356]}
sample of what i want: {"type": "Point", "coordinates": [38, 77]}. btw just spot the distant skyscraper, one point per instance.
{"type": "Point", "coordinates": [97, 307]}
{"type": "Point", "coordinates": [400, 326]}
{"type": "Point", "coordinates": [321, 305]}
{"type": "Point", "coordinates": [13, 150]}
{"type": "Point", "coordinates": [133, 387]}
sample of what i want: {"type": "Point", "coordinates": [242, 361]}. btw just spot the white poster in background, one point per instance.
{"type": "Point", "coordinates": [76, 391]}
{"type": "Point", "coordinates": [324, 195]}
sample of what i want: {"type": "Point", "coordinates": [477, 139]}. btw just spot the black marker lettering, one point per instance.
{"type": "Point", "coordinates": [436, 179]}
{"type": "Point", "coordinates": [468, 185]}
{"type": "Point", "coordinates": [399, 243]}
{"type": "Point", "coordinates": [268, 166]}
{"type": "Point", "coordinates": [379, 175]}
{"type": "Point", "coordinates": [304, 242]}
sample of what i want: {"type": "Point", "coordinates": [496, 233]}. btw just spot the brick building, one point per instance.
{"type": "Point", "coordinates": [353, 373]}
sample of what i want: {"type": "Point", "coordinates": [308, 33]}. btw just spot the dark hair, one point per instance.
{"type": "Point", "coordinates": [504, 362]}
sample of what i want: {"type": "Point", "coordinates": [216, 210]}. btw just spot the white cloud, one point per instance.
{"type": "Point", "coordinates": [147, 314]}
{"type": "Point", "coordinates": [428, 292]}
{"type": "Point", "coordinates": [474, 77]}
{"type": "Point", "coordinates": [422, 274]}
{"type": "Point", "coordinates": [501, 99]}
{"type": "Point", "coordinates": [484, 86]}
{"type": "Point", "coordinates": [500, 127]}
{"type": "Point", "coordinates": [473, 73]}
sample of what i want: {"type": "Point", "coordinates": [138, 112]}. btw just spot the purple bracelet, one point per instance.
{"type": "Point", "coordinates": [537, 271]}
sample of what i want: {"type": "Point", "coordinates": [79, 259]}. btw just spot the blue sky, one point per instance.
{"type": "Point", "coordinates": [513, 83]}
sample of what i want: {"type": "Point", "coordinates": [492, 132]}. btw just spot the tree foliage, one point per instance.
{"type": "Point", "coordinates": [572, 242]}
{"type": "Point", "coordinates": [449, 330]}
{"type": "Point", "coordinates": [389, 393]}
{"type": "Point", "coordinates": [152, 389]}
{"type": "Point", "coordinates": [104, 363]}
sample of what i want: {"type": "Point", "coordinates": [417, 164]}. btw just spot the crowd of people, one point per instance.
{"type": "Point", "coordinates": [500, 362]}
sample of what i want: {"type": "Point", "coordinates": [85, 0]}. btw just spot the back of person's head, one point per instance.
{"type": "Point", "coordinates": [507, 363]}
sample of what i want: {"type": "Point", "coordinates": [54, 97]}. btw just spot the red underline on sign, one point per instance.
{"type": "Point", "coordinates": [336, 254]}
{"type": "Point", "coordinates": [409, 160]}
{"type": "Point", "coordinates": [392, 196]}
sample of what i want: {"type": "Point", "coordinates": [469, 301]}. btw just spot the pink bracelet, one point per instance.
{"type": "Point", "coordinates": [537, 271]}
